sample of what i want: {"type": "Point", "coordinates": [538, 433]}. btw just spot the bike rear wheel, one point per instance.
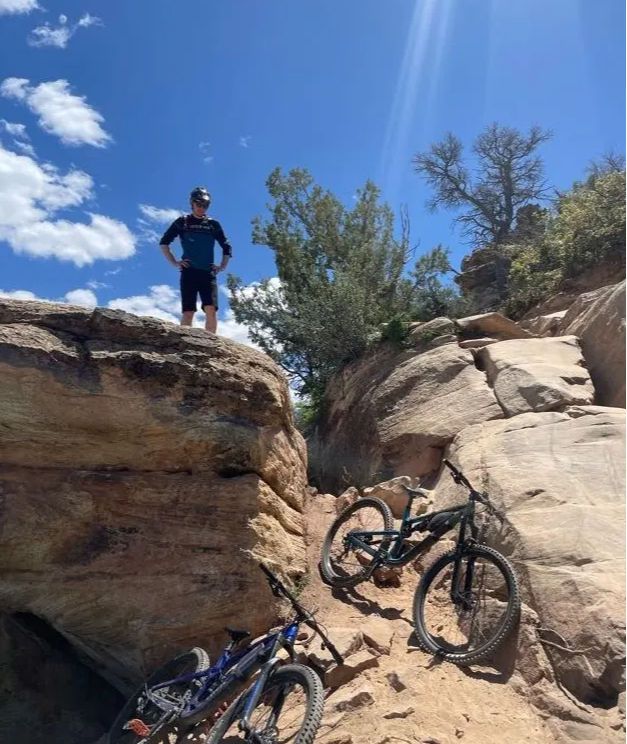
{"type": "Point", "coordinates": [465, 622]}
{"type": "Point", "coordinates": [289, 710]}
{"type": "Point", "coordinates": [141, 708]}
{"type": "Point", "coordinates": [344, 564]}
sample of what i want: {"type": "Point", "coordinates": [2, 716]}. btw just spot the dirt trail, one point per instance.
{"type": "Point", "coordinates": [448, 704]}
{"type": "Point", "coordinates": [397, 694]}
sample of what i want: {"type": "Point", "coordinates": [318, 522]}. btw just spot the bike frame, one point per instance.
{"type": "Point", "coordinates": [231, 667]}
{"type": "Point", "coordinates": [462, 514]}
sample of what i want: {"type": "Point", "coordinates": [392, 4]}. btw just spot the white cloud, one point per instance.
{"type": "Point", "coordinates": [230, 328]}
{"type": "Point", "coordinates": [81, 297]}
{"type": "Point", "coordinates": [32, 193]}
{"type": "Point", "coordinates": [14, 129]}
{"type": "Point", "coordinates": [158, 215]}
{"type": "Point", "coordinates": [89, 20]}
{"type": "Point", "coordinates": [102, 238]}
{"type": "Point", "coordinates": [93, 284]}
{"type": "Point", "coordinates": [154, 216]}
{"type": "Point", "coordinates": [26, 148]}
{"type": "Point", "coordinates": [204, 148]}
{"type": "Point", "coordinates": [163, 303]}
{"type": "Point", "coordinates": [17, 6]}
{"type": "Point", "coordinates": [245, 141]}
{"type": "Point", "coordinates": [60, 112]}
{"type": "Point", "coordinates": [20, 294]}
{"type": "Point", "coordinates": [48, 36]}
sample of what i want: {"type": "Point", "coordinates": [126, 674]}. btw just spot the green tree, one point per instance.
{"type": "Point", "coordinates": [585, 228]}
{"type": "Point", "coordinates": [433, 297]}
{"type": "Point", "coordinates": [342, 274]}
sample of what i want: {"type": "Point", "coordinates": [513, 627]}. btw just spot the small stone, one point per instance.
{"type": "Point", "coordinates": [346, 640]}
{"type": "Point", "coordinates": [378, 635]}
{"type": "Point", "coordinates": [400, 713]}
{"type": "Point", "coordinates": [395, 682]}
{"type": "Point", "coordinates": [459, 733]}
{"type": "Point", "coordinates": [353, 699]}
{"type": "Point", "coordinates": [349, 497]}
{"type": "Point", "coordinates": [332, 721]}
{"type": "Point", "coordinates": [354, 665]}
{"type": "Point", "coordinates": [388, 576]}
{"type": "Point", "coordinates": [339, 737]}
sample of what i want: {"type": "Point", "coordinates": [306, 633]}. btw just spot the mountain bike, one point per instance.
{"type": "Point", "coordinates": [188, 690]}
{"type": "Point", "coordinates": [453, 592]}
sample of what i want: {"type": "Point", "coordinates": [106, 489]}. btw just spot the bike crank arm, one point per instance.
{"type": "Point", "coordinates": [139, 728]}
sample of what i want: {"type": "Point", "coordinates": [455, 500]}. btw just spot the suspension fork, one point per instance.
{"type": "Point", "coordinates": [255, 694]}
{"type": "Point", "coordinates": [456, 595]}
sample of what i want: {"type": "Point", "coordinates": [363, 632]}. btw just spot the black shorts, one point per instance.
{"type": "Point", "coordinates": [196, 282]}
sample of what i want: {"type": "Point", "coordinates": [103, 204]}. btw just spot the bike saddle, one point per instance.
{"type": "Point", "coordinates": [237, 635]}
{"type": "Point", "coordinates": [416, 491]}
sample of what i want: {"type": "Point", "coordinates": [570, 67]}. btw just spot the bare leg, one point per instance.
{"type": "Point", "coordinates": [211, 324]}
{"type": "Point", "coordinates": [187, 319]}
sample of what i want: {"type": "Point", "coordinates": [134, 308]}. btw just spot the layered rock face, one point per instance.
{"type": "Point", "coordinates": [559, 479]}
{"type": "Point", "coordinates": [144, 468]}
{"type": "Point", "coordinates": [598, 319]}
{"type": "Point", "coordinates": [396, 411]}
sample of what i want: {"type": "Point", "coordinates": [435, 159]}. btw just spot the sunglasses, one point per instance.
{"type": "Point", "coordinates": [200, 204]}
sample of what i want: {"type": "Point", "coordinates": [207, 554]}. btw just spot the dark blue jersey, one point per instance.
{"type": "Point", "coordinates": [198, 236]}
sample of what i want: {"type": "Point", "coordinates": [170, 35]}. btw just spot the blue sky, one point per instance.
{"type": "Point", "coordinates": [107, 106]}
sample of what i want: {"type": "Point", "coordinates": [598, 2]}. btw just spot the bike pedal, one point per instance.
{"type": "Point", "coordinates": [138, 727]}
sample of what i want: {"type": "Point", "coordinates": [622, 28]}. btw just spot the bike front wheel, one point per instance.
{"type": "Point", "coordinates": [139, 708]}
{"type": "Point", "coordinates": [343, 563]}
{"type": "Point", "coordinates": [465, 605]}
{"type": "Point", "coordinates": [289, 710]}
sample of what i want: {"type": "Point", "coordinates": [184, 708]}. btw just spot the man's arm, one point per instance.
{"type": "Point", "coordinates": [168, 236]}
{"type": "Point", "coordinates": [227, 250]}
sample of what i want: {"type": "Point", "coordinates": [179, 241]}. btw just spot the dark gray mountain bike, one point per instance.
{"type": "Point", "coordinates": [467, 601]}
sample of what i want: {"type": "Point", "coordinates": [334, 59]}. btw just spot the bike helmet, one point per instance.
{"type": "Point", "coordinates": [200, 195]}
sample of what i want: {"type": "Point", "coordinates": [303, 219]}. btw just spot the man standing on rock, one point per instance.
{"type": "Point", "coordinates": [198, 234]}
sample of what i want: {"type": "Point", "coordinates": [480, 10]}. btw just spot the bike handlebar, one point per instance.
{"type": "Point", "coordinates": [458, 476]}
{"type": "Point", "coordinates": [277, 585]}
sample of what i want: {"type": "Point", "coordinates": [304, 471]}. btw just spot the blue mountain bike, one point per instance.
{"type": "Point", "coordinates": [284, 703]}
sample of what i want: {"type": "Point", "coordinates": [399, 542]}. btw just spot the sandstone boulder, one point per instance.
{"type": "Point", "coordinates": [477, 343]}
{"type": "Point", "coordinates": [541, 374]}
{"type": "Point", "coordinates": [425, 333]}
{"type": "Point", "coordinates": [559, 477]}
{"type": "Point", "coordinates": [492, 324]}
{"type": "Point", "coordinates": [139, 460]}
{"type": "Point", "coordinates": [393, 493]}
{"type": "Point", "coordinates": [545, 325]}
{"type": "Point", "coordinates": [598, 318]}
{"type": "Point", "coordinates": [396, 410]}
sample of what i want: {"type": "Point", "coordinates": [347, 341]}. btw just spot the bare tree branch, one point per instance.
{"type": "Point", "coordinates": [509, 176]}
